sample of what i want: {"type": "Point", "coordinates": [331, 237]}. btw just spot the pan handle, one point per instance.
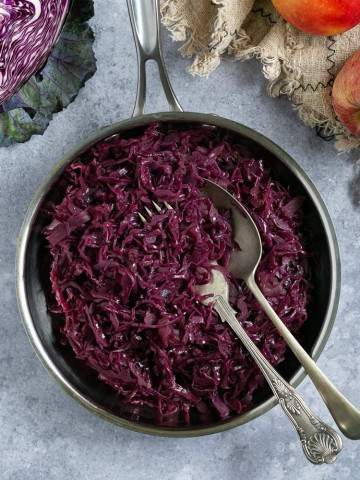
{"type": "Point", "coordinates": [144, 17]}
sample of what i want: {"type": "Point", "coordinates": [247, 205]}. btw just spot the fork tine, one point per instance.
{"type": "Point", "coordinates": [142, 218]}
{"type": "Point", "coordinates": [158, 208]}
{"type": "Point", "coordinates": [148, 211]}
{"type": "Point", "coordinates": [169, 207]}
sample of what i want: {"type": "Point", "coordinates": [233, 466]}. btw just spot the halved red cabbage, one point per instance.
{"type": "Point", "coordinates": [28, 31]}
{"type": "Point", "coordinates": [126, 291]}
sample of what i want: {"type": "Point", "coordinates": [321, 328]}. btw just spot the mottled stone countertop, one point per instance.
{"type": "Point", "coordinates": [45, 435]}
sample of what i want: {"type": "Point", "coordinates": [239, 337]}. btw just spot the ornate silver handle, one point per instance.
{"type": "Point", "coordinates": [320, 443]}
{"type": "Point", "coordinates": [144, 17]}
{"type": "Point", "coordinates": [345, 414]}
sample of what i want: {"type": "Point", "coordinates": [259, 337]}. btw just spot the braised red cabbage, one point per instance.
{"type": "Point", "coordinates": [28, 31]}
{"type": "Point", "coordinates": [126, 291]}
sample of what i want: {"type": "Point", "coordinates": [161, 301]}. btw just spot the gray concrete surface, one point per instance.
{"type": "Point", "coordinates": [45, 435]}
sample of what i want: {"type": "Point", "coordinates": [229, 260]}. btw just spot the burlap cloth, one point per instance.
{"type": "Point", "coordinates": [301, 66]}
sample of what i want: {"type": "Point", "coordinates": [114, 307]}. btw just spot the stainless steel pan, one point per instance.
{"type": "Point", "coordinates": [75, 379]}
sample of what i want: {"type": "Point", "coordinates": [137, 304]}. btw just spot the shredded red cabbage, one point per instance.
{"type": "Point", "coordinates": [126, 291]}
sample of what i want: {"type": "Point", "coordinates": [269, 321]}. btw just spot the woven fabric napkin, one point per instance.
{"type": "Point", "coordinates": [298, 65]}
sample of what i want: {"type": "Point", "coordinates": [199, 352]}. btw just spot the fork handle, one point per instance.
{"type": "Point", "coordinates": [144, 17]}
{"type": "Point", "coordinates": [320, 443]}
{"type": "Point", "coordinates": [346, 415]}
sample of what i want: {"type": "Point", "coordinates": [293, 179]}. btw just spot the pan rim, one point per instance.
{"type": "Point", "coordinates": [182, 117]}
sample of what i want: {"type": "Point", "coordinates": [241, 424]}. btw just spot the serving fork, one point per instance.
{"type": "Point", "coordinates": [320, 443]}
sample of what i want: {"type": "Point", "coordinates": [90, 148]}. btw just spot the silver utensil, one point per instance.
{"type": "Point", "coordinates": [243, 265]}
{"type": "Point", "coordinates": [320, 443]}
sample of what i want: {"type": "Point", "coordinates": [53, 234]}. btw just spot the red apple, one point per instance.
{"type": "Point", "coordinates": [346, 94]}
{"type": "Point", "coordinates": [320, 17]}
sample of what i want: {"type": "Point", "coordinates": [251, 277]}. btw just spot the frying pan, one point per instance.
{"type": "Point", "coordinates": [32, 282]}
